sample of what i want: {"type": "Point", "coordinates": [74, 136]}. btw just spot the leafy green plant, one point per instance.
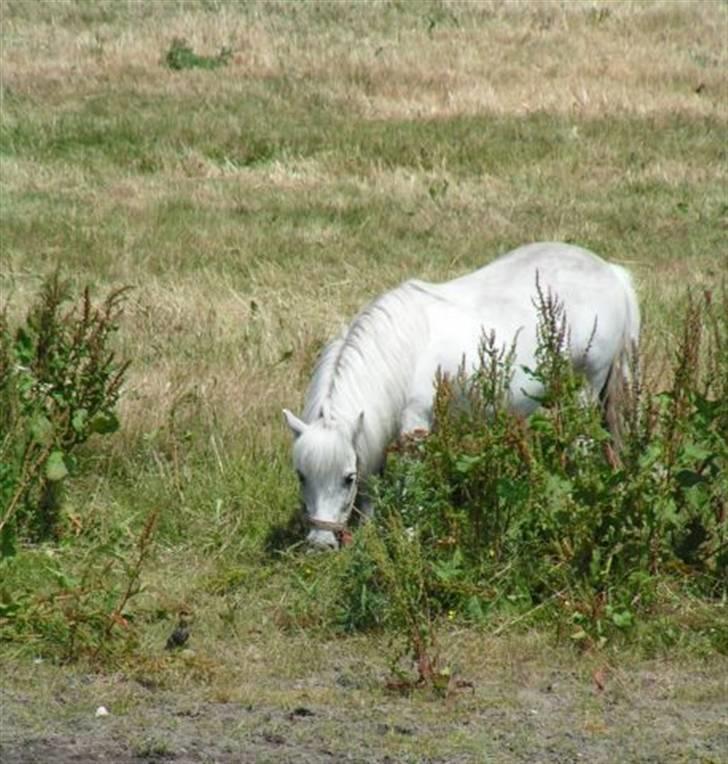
{"type": "Point", "coordinates": [181, 56]}
{"type": "Point", "coordinates": [62, 595]}
{"type": "Point", "coordinates": [491, 516]}
{"type": "Point", "coordinates": [399, 578]}
{"type": "Point", "coordinates": [59, 384]}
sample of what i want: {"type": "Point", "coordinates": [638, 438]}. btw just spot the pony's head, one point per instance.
{"type": "Point", "coordinates": [325, 460]}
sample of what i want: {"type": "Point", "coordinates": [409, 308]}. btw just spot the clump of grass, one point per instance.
{"type": "Point", "coordinates": [181, 56]}
{"type": "Point", "coordinates": [73, 600]}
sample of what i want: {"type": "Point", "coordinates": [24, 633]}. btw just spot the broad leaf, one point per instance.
{"type": "Point", "coordinates": [55, 467]}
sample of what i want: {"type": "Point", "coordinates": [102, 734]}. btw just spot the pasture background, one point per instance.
{"type": "Point", "coordinates": [254, 208]}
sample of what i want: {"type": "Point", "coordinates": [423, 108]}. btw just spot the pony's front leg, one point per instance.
{"type": "Point", "coordinates": [416, 419]}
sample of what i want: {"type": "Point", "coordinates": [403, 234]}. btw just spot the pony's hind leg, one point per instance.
{"type": "Point", "coordinates": [611, 397]}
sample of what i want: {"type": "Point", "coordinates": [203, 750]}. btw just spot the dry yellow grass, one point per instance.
{"type": "Point", "coordinates": [450, 58]}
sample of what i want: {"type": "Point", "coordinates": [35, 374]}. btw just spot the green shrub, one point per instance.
{"type": "Point", "coordinates": [59, 384]}
{"type": "Point", "coordinates": [491, 516]}
{"type": "Point", "coordinates": [61, 594]}
{"type": "Point", "coordinates": [181, 56]}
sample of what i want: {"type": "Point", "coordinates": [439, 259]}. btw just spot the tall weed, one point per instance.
{"type": "Point", "coordinates": [504, 518]}
{"type": "Point", "coordinates": [63, 591]}
{"type": "Point", "coordinates": [59, 384]}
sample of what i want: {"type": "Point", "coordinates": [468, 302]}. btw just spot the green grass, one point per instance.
{"type": "Point", "coordinates": [605, 174]}
{"type": "Point", "coordinates": [256, 207]}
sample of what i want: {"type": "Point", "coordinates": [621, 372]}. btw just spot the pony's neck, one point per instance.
{"type": "Point", "coordinates": [368, 369]}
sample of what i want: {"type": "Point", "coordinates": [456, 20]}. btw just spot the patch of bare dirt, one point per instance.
{"type": "Point", "coordinates": [660, 716]}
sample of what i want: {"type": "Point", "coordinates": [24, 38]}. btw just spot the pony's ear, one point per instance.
{"type": "Point", "coordinates": [297, 425]}
{"type": "Point", "coordinates": [358, 431]}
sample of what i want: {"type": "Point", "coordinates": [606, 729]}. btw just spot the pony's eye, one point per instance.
{"type": "Point", "coordinates": [301, 477]}
{"type": "Point", "coordinates": [349, 479]}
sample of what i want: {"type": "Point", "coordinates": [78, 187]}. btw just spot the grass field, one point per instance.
{"type": "Point", "coordinates": [254, 207]}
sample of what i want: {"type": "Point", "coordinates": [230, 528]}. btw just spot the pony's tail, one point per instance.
{"type": "Point", "coordinates": [624, 370]}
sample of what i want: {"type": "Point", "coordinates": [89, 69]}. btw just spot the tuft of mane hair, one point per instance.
{"type": "Point", "coordinates": [371, 361]}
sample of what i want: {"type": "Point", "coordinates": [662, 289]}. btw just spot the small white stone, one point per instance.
{"type": "Point", "coordinates": [102, 711]}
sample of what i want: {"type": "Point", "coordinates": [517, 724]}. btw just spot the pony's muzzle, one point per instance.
{"type": "Point", "coordinates": [322, 540]}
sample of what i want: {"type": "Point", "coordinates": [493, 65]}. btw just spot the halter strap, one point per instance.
{"type": "Point", "coordinates": [325, 525]}
{"type": "Point", "coordinates": [330, 525]}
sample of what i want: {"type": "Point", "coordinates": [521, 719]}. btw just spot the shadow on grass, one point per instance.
{"type": "Point", "coordinates": [281, 538]}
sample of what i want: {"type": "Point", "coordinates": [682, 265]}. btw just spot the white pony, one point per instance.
{"type": "Point", "coordinates": [376, 380]}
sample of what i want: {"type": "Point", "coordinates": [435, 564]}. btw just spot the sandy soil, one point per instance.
{"type": "Point", "coordinates": [654, 714]}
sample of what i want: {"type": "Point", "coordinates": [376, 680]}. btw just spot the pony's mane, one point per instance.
{"type": "Point", "coordinates": [368, 367]}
